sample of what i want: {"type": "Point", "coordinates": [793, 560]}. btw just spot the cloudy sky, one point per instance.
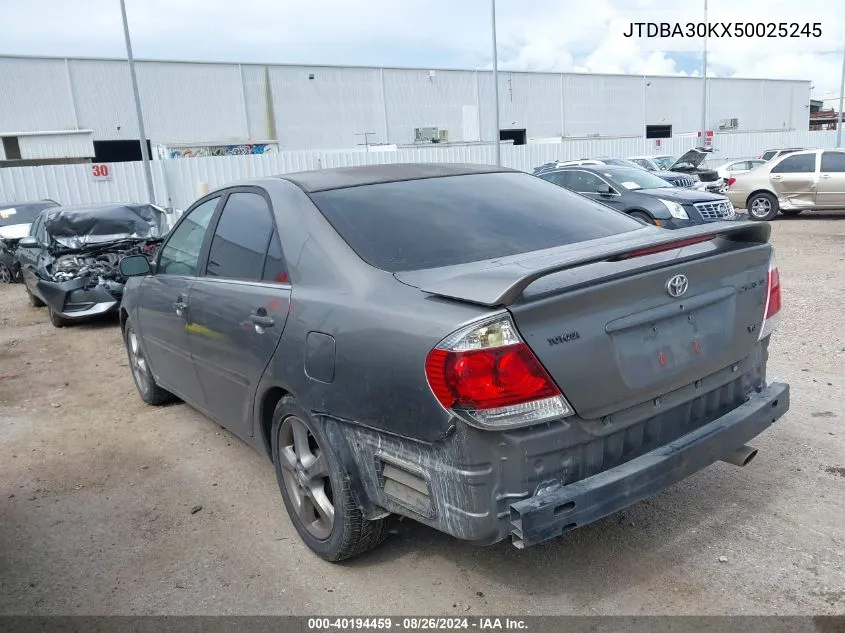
{"type": "Point", "coordinates": [552, 35]}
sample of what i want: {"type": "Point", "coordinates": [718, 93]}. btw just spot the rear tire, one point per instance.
{"type": "Point", "coordinates": [316, 490]}
{"type": "Point", "coordinates": [56, 319]}
{"type": "Point", "coordinates": [762, 207]}
{"type": "Point", "coordinates": [791, 212]}
{"type": "Point", "coordinates": [146, 385]}
{"type": "Point", "coordinates": [642, 216]}
{"type": "Point", "coordinates": [34, 301]}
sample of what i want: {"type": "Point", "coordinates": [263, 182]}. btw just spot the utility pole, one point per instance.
{"type": "Point", "coordinates": [841, 95]}
{"type": "Point", "coordinates": [496, 87]}
{"type": "Point", "coordinates": [704, 83]}
{"type": "Point", "coordinates": [145, 153]}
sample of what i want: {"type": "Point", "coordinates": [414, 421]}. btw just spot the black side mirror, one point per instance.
{"type": "Point", "coordinates": [135, 266]}
{"type": "Point", "coordinates": [28, 242]}
{"type": "Point", "coordinates": [604, 190]}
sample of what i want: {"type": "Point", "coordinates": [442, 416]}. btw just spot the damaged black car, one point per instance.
{"type": "Point", "coordinates": [15, 220]}
{"type": "Point", "coordinates": [69, 261]}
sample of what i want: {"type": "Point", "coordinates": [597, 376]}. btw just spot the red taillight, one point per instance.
{"type": "Point", "coordinates": [665, 247]}
{"type": "Point", "coordinates": [731, 181]}
{"type": "Point", "coordinates": [486, 374]}
{"type": "Point", "coordinates": [771, 314]}
{"type": "Point", "coordinates": [773, 301]}
{"type": "Point", "coordinates": [488, 378]}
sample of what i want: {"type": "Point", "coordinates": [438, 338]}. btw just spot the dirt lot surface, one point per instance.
{"type": "Point", "coordinates": [97, 492]}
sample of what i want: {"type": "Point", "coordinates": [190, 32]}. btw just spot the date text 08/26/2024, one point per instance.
{"type": "Point", "coordinates": [416, 624]}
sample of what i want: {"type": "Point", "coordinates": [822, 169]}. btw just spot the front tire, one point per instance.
{"type": "Point", "coordinates": [34, 301]}
{"type": "Point", "coordinates": [316, 490]}
{"type": "Point", "coordinates": [762, 206]}
{"type": "Point", "coordinates": [146, 385]}
{"type": "Point", "coordinates": [56, 319]}
{"type": "Point", "coordinates": [642, 216]}
{"type": "Point", "coordinates": [6, 274]}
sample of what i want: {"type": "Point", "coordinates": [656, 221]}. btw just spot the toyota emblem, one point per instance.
{"type": "Point", "coordinates": [677, 285]}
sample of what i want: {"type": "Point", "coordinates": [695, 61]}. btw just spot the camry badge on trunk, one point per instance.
{"type": "Point", "coordinates": [677, 285]}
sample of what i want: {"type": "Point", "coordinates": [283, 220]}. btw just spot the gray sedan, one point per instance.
{"type": "Point", "coordinates": [468, 346]}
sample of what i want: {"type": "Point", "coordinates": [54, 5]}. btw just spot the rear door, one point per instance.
{"type": "Point", "coordinates": [239, 305]}
{"type": "Point", "coordinates": [831, 188]}
{"type": "Point", "coordinates": [794, 179]}
{"type": "Point", "coordinates": [164, 308]}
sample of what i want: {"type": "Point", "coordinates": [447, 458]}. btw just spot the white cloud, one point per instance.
{"type": "Point", "coordinates": [559, 35]}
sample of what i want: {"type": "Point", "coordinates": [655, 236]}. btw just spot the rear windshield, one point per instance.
{"type": "Point", "coordinates": [23, 213]}
{"type": "Point", "coordinates": [434, 222]}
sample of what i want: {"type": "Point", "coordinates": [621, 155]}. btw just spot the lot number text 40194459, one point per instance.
{"type": "Point", "coordinates": [417, 624]}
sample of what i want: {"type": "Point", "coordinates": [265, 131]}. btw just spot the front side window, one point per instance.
{"type": "Point", "coordinates": [241, 238]}
{"type": "Point", "coordinates": [796, 164]}
{"type": "Point", "coordinates": [584, 182]}
{"type": "Point", "coordinates": [180, 254]}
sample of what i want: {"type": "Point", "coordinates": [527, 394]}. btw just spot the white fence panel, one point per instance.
{"type": "Point", "coordinates": [75, 184]}
{"type": "Point", "coordinates": [177, 181]}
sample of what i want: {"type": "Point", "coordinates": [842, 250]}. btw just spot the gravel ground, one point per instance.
{"type": "Point", "coordinates": [97, 492]}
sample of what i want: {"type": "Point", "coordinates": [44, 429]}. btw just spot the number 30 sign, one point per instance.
{"type": "Point", "coordinates": [100, 171]}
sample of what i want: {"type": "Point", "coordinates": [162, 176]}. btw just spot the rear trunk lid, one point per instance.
{"type": "Point", "coordinates": [610, 343]}
{"type": "Point", "coordinates": [611, 332]}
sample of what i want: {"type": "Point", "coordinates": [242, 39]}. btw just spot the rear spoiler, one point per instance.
{"type": "Point", "coordinates": [500, 282]}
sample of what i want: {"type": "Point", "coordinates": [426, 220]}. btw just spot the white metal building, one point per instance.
{"type": "Point", "coordinates": [56, 108]}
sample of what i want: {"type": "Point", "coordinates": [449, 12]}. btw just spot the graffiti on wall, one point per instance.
{"type": "Point", "coordinates": [222, 150]}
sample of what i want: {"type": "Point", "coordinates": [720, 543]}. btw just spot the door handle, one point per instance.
{"type": "Point", "coordinates": [180, 306]}
{"type": "Point", "coordinates": [262, 321]}
{"type": "Point", "coordinates": [777, 177]}
{"type": "Point", "coordinates": [825, 176]}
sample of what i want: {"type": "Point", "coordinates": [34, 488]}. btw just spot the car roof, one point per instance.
{"type": "Point", "coordinates": [342, 177]}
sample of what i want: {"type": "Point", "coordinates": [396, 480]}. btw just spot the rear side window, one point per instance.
{"type": "Point", "coordinates": [800, 164]}
{"type": "Point", "coordinates": [768, 155]}
{"type": "Point", "coordinates": [241, 238]}
{"type": "Point", "coordinates": [833, 162]}
{"type": "Point", "coordinates": [436, 222]}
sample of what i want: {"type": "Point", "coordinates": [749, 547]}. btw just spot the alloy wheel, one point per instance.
{"type": "Point", "coordinates": [760, 208]}
{"type": "Point", "coordinates": [305, 472]}
{"type": "Point", "coordinates": [138, 362]}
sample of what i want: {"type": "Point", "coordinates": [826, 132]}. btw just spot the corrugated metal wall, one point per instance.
{"type": "Point", "coordinates": [331, 107]}
{"type": "Point", "coordinates": [177, 180]}
{"type": "Point", "coordinates": [41, 146]}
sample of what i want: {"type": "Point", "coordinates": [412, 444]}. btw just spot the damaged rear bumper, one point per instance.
{"type": "Point", "coordinates": [79, 299]}
{"type": "Point", "coordinates": [555, 510]}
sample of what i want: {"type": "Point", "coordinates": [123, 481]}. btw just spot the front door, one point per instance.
{"type": "Point", "coordinates": [794, 180]}
{"type": "Point", "coordinates": [165, 306]}
{"type": "Point", "coordinates": [28, 257]}
{"type": "Point", "coordinates": [239, 306]}
{"type": "Point", "coordinates": [831, 189]}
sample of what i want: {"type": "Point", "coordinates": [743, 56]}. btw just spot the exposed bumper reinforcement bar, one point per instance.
{"type": "Point", "coordinates": [558, 509]}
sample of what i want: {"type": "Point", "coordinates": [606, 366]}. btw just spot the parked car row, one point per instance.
{"type": "Point", "coordinates": [642, 195]}
{"type": "Point", "coordinates": [470, 347]}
